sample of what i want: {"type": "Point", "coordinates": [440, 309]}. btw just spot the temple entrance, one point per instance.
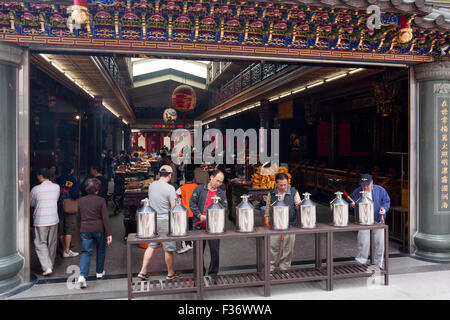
{"type": "Point", "coordinates": [335, 123]}
{"type": "Point", "coordinates": [342, 85]}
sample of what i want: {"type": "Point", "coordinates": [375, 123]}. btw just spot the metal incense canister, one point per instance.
{"type": "Point", "coordinates": [280, 214]}
{"type": "Point", "coordinates": [340, 210]}
{"type": "Point", "coordinates": [178, 220]}
{"type": "Point", "coordinates": [146, 221]}
{"type": "Point", "coordinates": [307, 212]}
{"type": "Point", "coordinates": [365, 213]}
{"type": "Point", "coordinates": [215, 217]}
{"type": "Point", "coordinates": [245, 218]}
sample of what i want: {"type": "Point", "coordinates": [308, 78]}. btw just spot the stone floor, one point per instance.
{"type": "Point", "coordinates": [410, 278]}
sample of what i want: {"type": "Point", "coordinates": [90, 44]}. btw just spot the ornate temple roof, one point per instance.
{"type": "Point", "coordinates": [411, 28]}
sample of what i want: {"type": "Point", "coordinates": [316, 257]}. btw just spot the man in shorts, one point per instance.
{"type": "Point", "coordinates": [68, 223]}
{"type": "Point", "coordinates": [162, 197]}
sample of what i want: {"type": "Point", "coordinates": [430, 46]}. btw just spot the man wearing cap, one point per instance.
{"type": "Point", "coordinates": [162, 198]}
{"type": "Point", "coordinates": [381, 204]}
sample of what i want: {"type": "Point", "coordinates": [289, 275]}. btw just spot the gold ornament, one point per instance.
{"type": "Point", "coordinates": [405, 35]}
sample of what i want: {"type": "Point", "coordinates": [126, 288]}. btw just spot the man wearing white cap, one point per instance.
{"type": "Point", "coordinates": [162, 198]}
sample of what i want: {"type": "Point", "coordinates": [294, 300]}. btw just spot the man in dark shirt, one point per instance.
{"type": "Point", "coordinates": [136, 158]}
{"type": "Point", "coordinates": [94, 171]}
{"type": "Point", "coordinates": [67, 222]}
{"type": "Point", "coordinates": [123, 158]}
{"type": "Point", "coordinates": [108, 164]}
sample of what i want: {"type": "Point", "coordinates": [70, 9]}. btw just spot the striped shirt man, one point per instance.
{"type": "Point", "coordinates": [44, 199]}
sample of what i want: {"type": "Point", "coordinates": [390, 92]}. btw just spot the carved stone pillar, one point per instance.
{"type": "Point", "coordinates": [433, 84]}
{"type": "Point", "coordinates": [14, 168]}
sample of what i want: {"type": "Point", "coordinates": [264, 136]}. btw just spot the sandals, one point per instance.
{"type": "Point", "coordinates": [143, 276]}
{"type": "Point", "coordinates": [146, 276]}
{"type": "Point", "coordinates": [173, 276]}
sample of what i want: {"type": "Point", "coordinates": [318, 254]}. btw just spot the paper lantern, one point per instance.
{"type": "Point", "coordinates": [184, 98]}
{"type": "Point", "coordinates": [51, 101]}
{"type": "Point", "coordinates": [170, 115]}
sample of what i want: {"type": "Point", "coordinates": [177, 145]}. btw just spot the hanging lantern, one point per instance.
{"type": "Point", "coordinates": [184, 98]}
{"type": "Point", "coordinates": [170, 115]}
{"type": "Point", "coordinates": [51, 101]}
{"type": "Point", "coordinates": [311, 107]}
{"type": "Point", "coordinates": [385, 95]}
{"type": "Point", "coordinates": [36, 120]}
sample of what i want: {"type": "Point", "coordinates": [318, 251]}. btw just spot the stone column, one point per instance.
{"type": "Point", "coordinates": [433, 93]}
{"type": "Point", "coordinates": [11, 262]}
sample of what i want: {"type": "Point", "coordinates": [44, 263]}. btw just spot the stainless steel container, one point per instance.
{"type": "Point", "coordinates": [365, 213]}
{"type": "Point", "coordinates": [245, 218]}
{"type": "Point", "coordinates": [307, 212]}
{"type": "Point", "coordinates": [146, 221]}
{"type": "Point", "coordinates": [215, 217]}
{"type": "Point", "coordinates": [340, 210]}
{"type": "Point", "coordinates": [178, 220]}
{"type": "Point", "coordinates": [280, 214]}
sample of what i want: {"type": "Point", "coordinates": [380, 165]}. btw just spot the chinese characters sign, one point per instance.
{"type": "Point", "coordinates": [443, 104]}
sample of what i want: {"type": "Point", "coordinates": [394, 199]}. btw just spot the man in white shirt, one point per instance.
{"type": "Point", "coordinates": [44, 198]}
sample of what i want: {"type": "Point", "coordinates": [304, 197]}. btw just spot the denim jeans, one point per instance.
{"type": "Point", "coordinates": [87, 248]}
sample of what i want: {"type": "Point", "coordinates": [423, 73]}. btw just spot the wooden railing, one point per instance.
{"type": "Point", "coordinates": [247, 78]}
{"type": "Point", "coordinates": [328, 180]}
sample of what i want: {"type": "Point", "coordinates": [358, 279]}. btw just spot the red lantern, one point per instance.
{"type": "Point", "coordinates": [184, 98]}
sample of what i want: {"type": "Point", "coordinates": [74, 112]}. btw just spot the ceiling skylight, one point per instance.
{"type": "Point", "coordinates": [144, 66]}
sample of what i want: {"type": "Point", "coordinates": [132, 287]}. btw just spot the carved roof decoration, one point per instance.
{"type": "Point", "coordinates": [337, 25]}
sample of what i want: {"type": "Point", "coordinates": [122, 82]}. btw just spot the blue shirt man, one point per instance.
{"type": "Point", "coordinates": [379, 196]}
{"type": "Point", "coordinates": [382, 204]}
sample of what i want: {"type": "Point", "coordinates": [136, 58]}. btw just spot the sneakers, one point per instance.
{"type": "Point", "coordinates": [47, 272]}
{"type": "Point", "coordinates": [185, 249]}
{"type": "Point", "coordinates": [70, 254]}
{"type": "Point", "coordinates": [100, 275]}
{"type": "Point", "coordinates": [143, 276]}
{"type": "Point", "coordinates": [81, 282]}
{"type": "Point", "coordinates": [173, 276]}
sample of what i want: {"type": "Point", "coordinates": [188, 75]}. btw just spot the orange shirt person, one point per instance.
{"type": "Point", "coordinates": [185, 192]}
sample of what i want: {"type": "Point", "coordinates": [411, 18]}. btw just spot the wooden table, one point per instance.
{"type": "Point", "coordinates": [352, 270]}
{"type": "Point", "coordinates": [138, 287]}
{"type": "Point", "coordinates": [263, 276]}
{"type": "Point", "coordinates": [318, 272]}
{"type": "Point", "coordinates": [198, 283]}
